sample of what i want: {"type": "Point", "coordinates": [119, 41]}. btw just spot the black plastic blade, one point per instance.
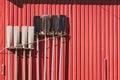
{"type": "Point", "coordinates": [37, 24]}
{"type": "Point", "coordinates": [54, 23]}
{"type": "Point", "coordinates": [62, 24]}
{"type": "Point", "coordinates": [45, 25]}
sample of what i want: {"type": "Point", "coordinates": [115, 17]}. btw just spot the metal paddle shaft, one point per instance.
{"type": "Point", "coordinates": [8, 45]}
{"type": "Point", "coordinates": [60, 64]}
{"type": "Point", "coordinates": [16, 65]}
{"type": "Point", "coordinates": [37, 26]}
{"type": "Point", "coordinates": [8, 65]}
{"type": "Point", "coordinates": [52, 68]}
{"type": "Point", "coordinates": [30, 65]}
{"type": "Point", "coordinates": [24, 59]}
{"type": "Point", "coordinates": [30, 42]}
{"type": "Point", "coordinates": [46, 26]}
{"type": "Point", "coordinates": [53, 29]}
{"type": "Point", "coordinates": [45, 59]}
{"type": "Point", "coordinates": [38, 58]}
{"type": "Point", "coordinates": [61, 30]}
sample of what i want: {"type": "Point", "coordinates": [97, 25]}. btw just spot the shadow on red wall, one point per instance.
{"type": "Point", "coordinates": [87, 2]}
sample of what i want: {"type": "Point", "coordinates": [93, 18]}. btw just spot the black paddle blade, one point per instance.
{"type": "Point", "coordinates": [54, 23]}
{"type": "Point", "coordinates": [37, 24]}
{"type": "Point", "coordinates": [62, 24]}
{"type": "Point", "coordinates": [45, 25]}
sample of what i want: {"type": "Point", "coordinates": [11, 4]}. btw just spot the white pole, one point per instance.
{"type": "Point", "coordinates": [45, 58]}
{"type": "Point", "coordinates": [8, 45]}
{"type": "Point", "coordinates": [52, 68]}
{"type": "Point", "coordinates": [24, 42]}
{"type": "Point", "coordinates": [60, 64]}
{"type": "Point", "coordinates": [38, 57]}
{"type": "Point", "coordinates": [30, 42]}
{"type": "Point", "coordinates": [16, 43]}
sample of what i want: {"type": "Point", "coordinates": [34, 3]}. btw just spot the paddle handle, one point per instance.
{"type": "Point", "coordinates": [38, 58]}
{"type": "Point", "coordinates": [52, 68]}
{"type": "Point", "coordinates": [60, 63]}
{"type": "Point", "coordinates": [9, 65]}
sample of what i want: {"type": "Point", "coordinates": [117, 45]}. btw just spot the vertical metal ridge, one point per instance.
{"type": "Point", "coordinates": [98, 44]}
{"type": "Point", "coordinates": [115, 43]}
{"type": "Point", "coordinates": [118, 42]}
{"type": "Point", "coordinates": [74, 42]}
{"type": "Point", "coordinates": [107, 41]}
{"type": "Point", "coordinates": [86, 42]}
{"type": "Point", "coordinates": [111, 45]}
{"type": "Point", "coordinates": [71, 44]}
{"type": "Point", "coordinates": [103, 38]}
{"type": "Point", "coordinates": [82, 44]}
{"type": "Point", "coordinates": [78, 42]}
{"type": "Point", "coordinates": [90, 42]}
{"type": "Point", "coordinates": [94, 42]}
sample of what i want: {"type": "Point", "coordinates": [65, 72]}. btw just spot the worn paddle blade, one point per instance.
{"type": "Point", "coordinates": [16, 36]}
{"type": "Point", "coordinates": [62, 24]}
{"type": "Point", "coordinates": [24, 36]}
{"type": "Point", "coordinates": [45, 25]}
{"type": "Point", "coordinates": [37, 24]}
{"type": "Point", "coordinates": [30, 36]}
{"type": "Point", "coordinates": [54, 23]}
{"type": "Point", "coordinates": [8, 36]}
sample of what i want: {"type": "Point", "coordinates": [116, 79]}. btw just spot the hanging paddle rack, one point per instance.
{"type": "Point", "coordinates": [47, 27]}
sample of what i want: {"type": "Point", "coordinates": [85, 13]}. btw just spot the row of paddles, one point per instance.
{"type": "Point", "coordinates": [27, 38]}
{"type": "Point", "coordinates": [54, 25]}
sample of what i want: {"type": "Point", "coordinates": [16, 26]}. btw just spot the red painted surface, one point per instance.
{"type": "Point", "coordinates": [94, 35]}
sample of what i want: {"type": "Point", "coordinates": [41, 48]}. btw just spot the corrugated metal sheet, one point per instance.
{"type": "Point", "coordinates": [94, 35]}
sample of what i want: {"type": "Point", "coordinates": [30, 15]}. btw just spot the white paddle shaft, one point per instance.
{"type": "Point", "coordinates": [52, 68]}
{"type": "Point", "coordinates": [30, 65]}
{"type": "Point", "coordinates": [24, 59]}
{"type": "Point", "coordinates": [45, 59]}
{"type": "Point", "coordinates": [60, 63]}
{"type": "Point", "coordinates": [38, 58]}
{"type": "Point", "coordinates": [8, 65]}
{"type": "Point", "coordinates": [16, 65]}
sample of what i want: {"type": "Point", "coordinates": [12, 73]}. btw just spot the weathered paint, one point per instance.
{"type": "Point", "coordinates": [94, 35]}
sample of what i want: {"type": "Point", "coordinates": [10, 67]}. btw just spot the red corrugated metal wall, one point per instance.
{"type": "Point", "coordinates": [94, 36]}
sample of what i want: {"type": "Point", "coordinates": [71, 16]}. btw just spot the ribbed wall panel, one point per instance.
{"type": "Point", "coordinates": [94, 36]}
